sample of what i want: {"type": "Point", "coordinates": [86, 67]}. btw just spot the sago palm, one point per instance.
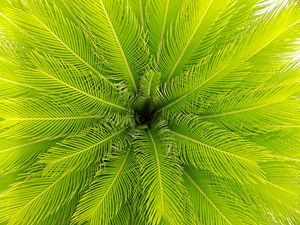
{"type": "Point", "coordinates": [171, 112]}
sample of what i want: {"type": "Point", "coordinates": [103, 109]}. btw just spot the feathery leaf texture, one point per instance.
{"type": "Point", "coordinates": [161, 112]}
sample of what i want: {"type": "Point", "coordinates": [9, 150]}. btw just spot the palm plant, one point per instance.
{"type": "Point", "coordinates": [149, 112]}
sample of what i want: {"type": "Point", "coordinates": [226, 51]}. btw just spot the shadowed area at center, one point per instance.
{"type": "Point", "coordinates": [144, 115]}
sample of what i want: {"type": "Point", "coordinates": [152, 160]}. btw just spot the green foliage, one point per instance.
{"type": "Point", "coordinates": [162, 112]}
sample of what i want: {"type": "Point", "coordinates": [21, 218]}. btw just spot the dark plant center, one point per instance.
{"type": "Point", "coordinates": [144, 115]}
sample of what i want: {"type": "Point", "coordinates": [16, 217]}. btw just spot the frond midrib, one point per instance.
{"type": "Point", "coordinates": [113, 181]}
{"type": "Point", "coordinates": [20, 84]}
{"type": "Point", "coordinates": [159, 49]}
{"type": "Point", "coordinates": [70, 50]}
{"type": "Point", "coordinates": [149, 87]}
{"type": "Point", "coordinates": [188, 43]}
{"type": "Point", "coordinates": [206, 197]}
{"type": "Point", "coordinates": [280, 188]}
{"type": "Point", "coordinates": [60, 40]}
{"type": "Point", "coordinates": [68, 172]}
{"type": "Point", "coordinates": [224, 69]}
{"type": "Point", "coordinates": [222, 114]}
{"type": "Point", "coordinates": [83, 92]}
{"type": "Point", "coordinates": [120, 47]}
{"type": "Point", "coordinates": [286, 158]}
{"type": "Point", "coordinates": [209, 146]}
{"type": "Point", "coordinates": [158, 165]}
{"type": "Point", "coordinates": [141, 12]}
{"type": "Point", "coordinates": [33, 142]}
{"type": "Point", "coordinates": [193, 90]}
{"type": "Point", "coordinates": [90, 147]}
{"type": "Point", "coordinates": [54, 118]}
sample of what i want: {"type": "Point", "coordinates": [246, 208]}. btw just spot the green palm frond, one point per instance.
{"type": "Point", "coordinates": [12, 86]}
{"type": "Point", "coordinates": [73, 83]}
{"type": "Point", "coordinates": [141, 112]}
{"type": "Point", "coordinates": [19, 154]}
{"type": "Point", "coordinates": [160, 176]}
{"type": "Point", "coordinates": [23, 200]}
{"type": "Point", "coordinates": [6, 181]}
{"type": "Point", "coordinates": [221, 63]}
{"type": "Point", "coordinates": [284, 142]}
{"type": "Point", "coordinates": [209, 147]}
{"type": "Point", "coordinates": [124, 52]}
{"type": "Point", "coordinates": [63, 215]}
{"type": "Point", "coordinates": [41, 22]}
{"type": "Point", "coordinates": [159, 18]}
{"type": "Point", "coordinates": [138, 8]}
{"type": "Point", "coordinates": [194, 21]}
{"type": "Point", "coordinates": [149, 84]}
{"type": "Point", "coordinates": [265, 102]}
{"type": "Point", "coordinates": [215, 198]}
{"type": "Point", "coordinates": [280, 192]}
{"type": "Point", "coordinates": [90, 145]}
{"type": "Point", "coordinates": [181, 88]}
{"type": "Point", "coordinates": [109, 191]}
{"type": "Point", "coordinates": [123, 216]}
{"type": "Point", "coordinates": [29, 122]}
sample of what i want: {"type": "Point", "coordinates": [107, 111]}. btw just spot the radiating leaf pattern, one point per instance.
{"type": "Point", "coordinates": [161, 112]}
